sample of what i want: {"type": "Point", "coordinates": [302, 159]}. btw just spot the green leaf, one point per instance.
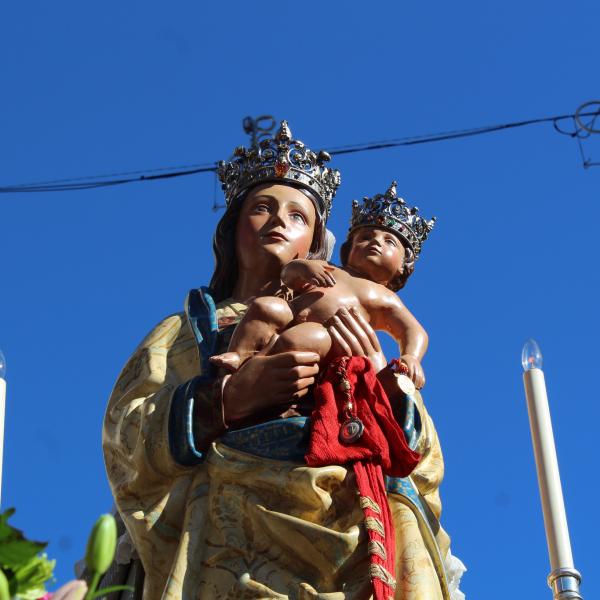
{"type": "Point", "coordinates": [9, 512]}
{"type": "Point", "coordinates": [15, 553]}
{"type": "Point", "coordinates": [26, 570]}
{"type": "Point", "coordinates": [15, 550]}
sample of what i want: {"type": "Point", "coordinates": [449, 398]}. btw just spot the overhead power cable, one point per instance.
{"type": "Point", "coordinates": [447, 135]}
{"type": "Point", "coordinates": [580, 131]}
{"type": "Point", "coordinates": [96, 181]}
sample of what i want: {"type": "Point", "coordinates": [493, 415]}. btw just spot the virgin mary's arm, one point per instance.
{"type": "Point", "coordinates": [137, 426]}
{"type": "Point", "coordinates": [145, 479]}
{"type": "Point", "coordinates": [148, 480]}
{"type": "Point", "coordinates": [161, 415]}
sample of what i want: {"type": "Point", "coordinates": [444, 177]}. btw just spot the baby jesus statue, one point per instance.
{"type": "Point", "coordinates": [377, 258]}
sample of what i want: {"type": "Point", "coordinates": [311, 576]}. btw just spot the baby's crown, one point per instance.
{"type": "Point", "coordinates": [388, 211]}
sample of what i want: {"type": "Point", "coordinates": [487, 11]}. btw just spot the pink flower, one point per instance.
{"type": "Point", "coordinates": [74, 590]}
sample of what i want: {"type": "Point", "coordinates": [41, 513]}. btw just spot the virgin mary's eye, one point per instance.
{"type": "Point", "coordinates": [299, 217]}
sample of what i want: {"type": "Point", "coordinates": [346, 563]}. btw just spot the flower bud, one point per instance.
{"type": "Point", "coordinates": [101, 545]}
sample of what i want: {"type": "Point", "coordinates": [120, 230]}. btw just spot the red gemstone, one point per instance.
{"type": "Point", "coordinates": [281, 169]}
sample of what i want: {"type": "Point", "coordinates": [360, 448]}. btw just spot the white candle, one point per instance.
{"type": "Point", "coordinates": [563, 577]}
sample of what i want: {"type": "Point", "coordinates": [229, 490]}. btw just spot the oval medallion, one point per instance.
{"type": "Point", "coordinates": [351, 430]}
{"type": "Point", "coordinates": [405, 384]}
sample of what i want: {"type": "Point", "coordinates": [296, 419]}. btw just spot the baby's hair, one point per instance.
{"type": "Point", "coordinates": [397, 282]}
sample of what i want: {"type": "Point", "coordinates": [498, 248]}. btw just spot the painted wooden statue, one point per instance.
{"type": "Point", "coordinates": [206, 459]}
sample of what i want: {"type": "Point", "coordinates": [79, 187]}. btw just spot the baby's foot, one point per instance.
{"type": "Point", "coordinates": [230, 361]}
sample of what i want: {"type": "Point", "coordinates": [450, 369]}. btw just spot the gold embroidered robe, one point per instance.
{"type": "Point", "coordinates": [242, 527]}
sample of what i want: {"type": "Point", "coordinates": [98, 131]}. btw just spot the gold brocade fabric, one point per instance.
{"type": "Point", "coordinates": [239, 526]}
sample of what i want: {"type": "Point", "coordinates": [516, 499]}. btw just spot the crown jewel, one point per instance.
{"type": "Point", "coordinates": [280, 159]}
{"type": "Point", "coordinates": [390, 212]}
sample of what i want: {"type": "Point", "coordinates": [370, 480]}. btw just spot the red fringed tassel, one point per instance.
{"type": "Point", "coordinates": [350, 388]}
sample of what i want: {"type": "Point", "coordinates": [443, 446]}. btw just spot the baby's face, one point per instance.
{"type": "Point", "coordinates": [376, 253]}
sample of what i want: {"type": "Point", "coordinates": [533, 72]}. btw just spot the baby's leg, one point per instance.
{"type": "Point", "coordinates": [309, 337]}
{"type": "Point", "coordinates": [265, 317]}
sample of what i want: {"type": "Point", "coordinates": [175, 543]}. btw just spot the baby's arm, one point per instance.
{"type": "Point", "coordinates": [388, 313]}
{"type": "Point", "coordinates": [300, 274]}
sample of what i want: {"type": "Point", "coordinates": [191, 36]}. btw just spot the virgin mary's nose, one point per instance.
{"type": "Point", "coordinates": [277, 219]}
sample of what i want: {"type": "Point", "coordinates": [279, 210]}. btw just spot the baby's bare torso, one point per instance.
{"type": "Point", "coordinates": [320, 304]}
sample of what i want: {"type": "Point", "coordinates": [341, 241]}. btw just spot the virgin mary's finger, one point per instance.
{"type": "Point", "coordinates": [301, 371]}
{"type": "Point", "coordinates": [369, 331]}
{"type": "Point", "coordinates": [355, 330]}
{"type": "Point", "coordinates": [339, 341]}
{"type": "Point", "coordinates": [302, 384]}
{"type": "Point", "coordinates": [293, 358]}
{"type": "Point", "coordinates": [354, 344]}
{"type": "Point", "coordinates": [299, 394]}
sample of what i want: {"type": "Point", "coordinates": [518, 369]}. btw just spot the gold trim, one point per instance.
{"type": "Point", "coordinates": [366, 502]}
{"type": "Point", "coordinates": [379, 572]}
{"type": "Point", "coordinates": [378, 549]}
{"type": "Point", "coordinates": [375, 525]}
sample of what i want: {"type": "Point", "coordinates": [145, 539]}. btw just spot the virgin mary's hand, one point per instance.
{"type": "Point", "coordinates": [353, 336]}
{"type": "Point", "coordinates": [267, 381]}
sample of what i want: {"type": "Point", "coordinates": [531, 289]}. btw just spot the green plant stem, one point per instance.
{"type": "Point", "coordinates": [93, 585]}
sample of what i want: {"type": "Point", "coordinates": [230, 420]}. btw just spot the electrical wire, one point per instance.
{"type": "Point", "coordinates": [448, 135]}
{"type": "Point", "coordinates": [80, 183]}
{"type": "Point", "coordinates": [114, 179]}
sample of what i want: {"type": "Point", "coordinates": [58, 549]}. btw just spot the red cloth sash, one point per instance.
{"type": "Point", "coordinates": [381, 450]}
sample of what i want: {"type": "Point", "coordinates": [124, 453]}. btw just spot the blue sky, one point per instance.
{"type": "Point", "coordinates": [93, 88]}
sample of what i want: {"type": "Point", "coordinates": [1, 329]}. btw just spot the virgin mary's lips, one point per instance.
{"type": "Point", "coordinates": [274, 236]}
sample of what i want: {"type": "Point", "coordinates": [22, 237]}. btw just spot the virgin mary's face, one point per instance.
{"type": "Point", "coordinates": [275, 222]}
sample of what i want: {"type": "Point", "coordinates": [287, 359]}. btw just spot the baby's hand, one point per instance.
{"type": "Point", "coordinates": [302, 274]}
{"type": "Point", "coordinates": [415, 371]}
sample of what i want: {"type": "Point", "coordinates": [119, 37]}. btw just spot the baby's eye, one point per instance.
{"type": "Point", "coordinates": [391, 241]}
